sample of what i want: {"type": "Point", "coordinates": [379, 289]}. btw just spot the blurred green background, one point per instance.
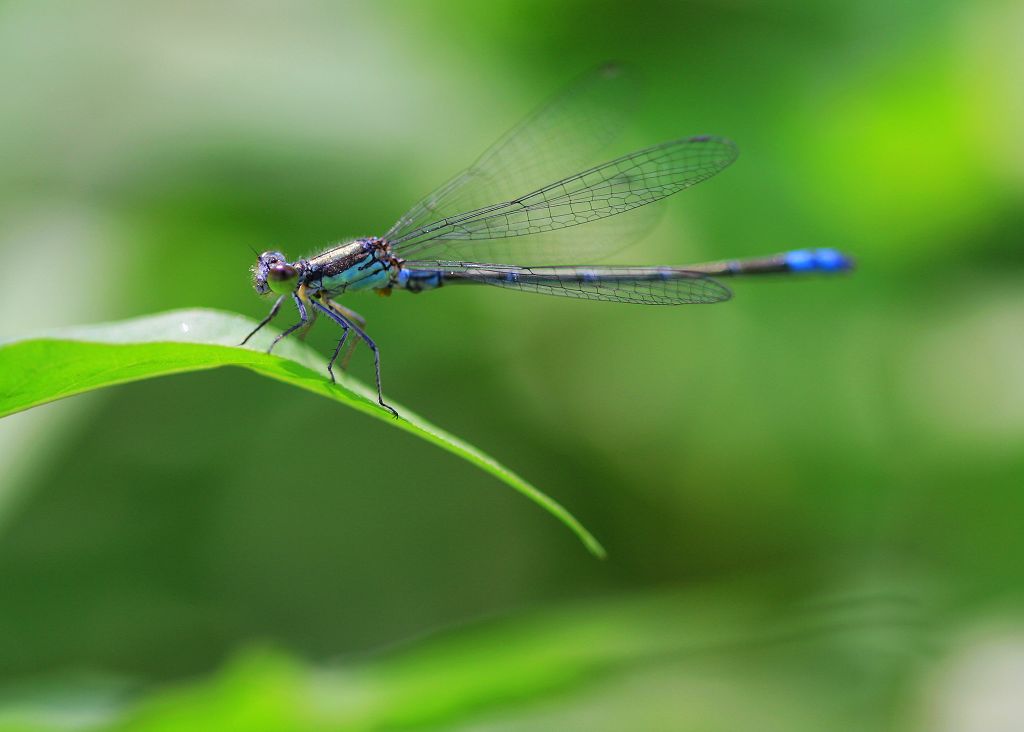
{"type": "Point", "coordinates": [812, 495]}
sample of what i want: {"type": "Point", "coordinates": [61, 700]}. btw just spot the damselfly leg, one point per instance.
{"type": "Point", "coordinates": [304, 321]}
{"type": "Point", "coordinates": [345, 324]}
{"type": "Point", "coordinates": [337, 350]}
{"type": "Point", "coordinates": [351, 316]}
{"type": "Point", "coordinates": [304, 331]}
{"type": "Point", "coordinates": [270, 316]}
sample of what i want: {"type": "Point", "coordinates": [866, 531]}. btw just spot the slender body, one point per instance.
{"type": "Point", "coordinates": [456, 234]}
{"type": "Point", "coordinates": [606, 283]}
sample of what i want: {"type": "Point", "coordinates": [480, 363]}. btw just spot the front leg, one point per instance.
{"type": "Point", "coordinates": [304, 331]}
{"type": "Point", "coordinates": [304, 320]}
{"type": "Point", "coordinates": [273, 312]}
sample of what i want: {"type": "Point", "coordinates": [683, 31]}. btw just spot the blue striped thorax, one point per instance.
{"type": "Point", "coordinates": [364, 264]}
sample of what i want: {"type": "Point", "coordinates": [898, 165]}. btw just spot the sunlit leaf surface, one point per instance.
{"type": "Point", "coordinates": [71, 361]}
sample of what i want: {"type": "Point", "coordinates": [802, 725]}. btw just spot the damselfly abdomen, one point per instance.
{"type": "Point", "coordinates": [471, 230]}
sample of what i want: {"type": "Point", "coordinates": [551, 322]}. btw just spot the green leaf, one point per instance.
{"type": "Point", "coordinates": [70, 361]}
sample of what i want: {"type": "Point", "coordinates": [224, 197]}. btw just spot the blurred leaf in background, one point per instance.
{"type": "Point", "coordinates": [853, 433]}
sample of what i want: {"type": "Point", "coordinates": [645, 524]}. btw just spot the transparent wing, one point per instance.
{"type": "Point", "coordinates": [615, 187]}
{"type": "Point", "coordinates": [644, 285]}
{"type": "Point", "coordinates": [565, 134]}
{"type": "Point", "coordinates": [593, 243]}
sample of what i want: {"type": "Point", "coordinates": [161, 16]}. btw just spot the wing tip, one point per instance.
{"type": "Point", "coordinates": [723, 292]}
{"type": "Point", "coordinates": [717, 140]}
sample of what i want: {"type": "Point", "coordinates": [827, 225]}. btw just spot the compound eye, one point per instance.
{"type": "Point", "coordinates": [281, 277]}
{"type": "Point", "coordinates": [281, 272]}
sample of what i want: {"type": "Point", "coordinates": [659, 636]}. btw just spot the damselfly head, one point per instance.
{"type": "Point", "coordinates": [272, 273]}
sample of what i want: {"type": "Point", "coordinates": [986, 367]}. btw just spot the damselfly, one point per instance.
{"type": "Point", "coordinates": [459, 233]}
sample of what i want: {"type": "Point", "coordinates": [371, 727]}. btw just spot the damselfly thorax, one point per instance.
{"type": "Point", "coordinates": [363, 264]}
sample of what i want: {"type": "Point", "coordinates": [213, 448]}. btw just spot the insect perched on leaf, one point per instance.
{"type": "Point", "coordinates": [502, 222]}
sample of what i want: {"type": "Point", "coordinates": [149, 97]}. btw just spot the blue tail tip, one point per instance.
{"type": "Point", "coordinates": [817, 260]}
